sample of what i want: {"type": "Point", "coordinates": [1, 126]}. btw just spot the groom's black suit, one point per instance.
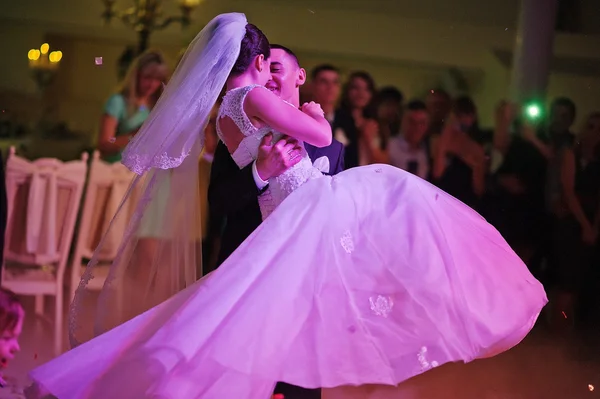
{"type": "Point", "coordinates": [232, 193]}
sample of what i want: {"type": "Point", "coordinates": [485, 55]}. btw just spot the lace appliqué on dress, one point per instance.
{"type": "Point", "coordinates": [425, 364]}
{"type": "Point", "coordinates": [381, 306]}
{"type": "Point", "coordinates": [347, 242]}
{"type": "Point", "coordinates": [267, 203]}
{"type": "Point", "coordinates": [283, 185]}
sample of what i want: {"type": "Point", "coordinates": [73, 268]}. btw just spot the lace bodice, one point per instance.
{"type": "Point", "coordinates": [246, 153]}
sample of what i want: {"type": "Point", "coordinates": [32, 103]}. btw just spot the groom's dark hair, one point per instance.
{"type": "Point", "coordinates": [287, 51]}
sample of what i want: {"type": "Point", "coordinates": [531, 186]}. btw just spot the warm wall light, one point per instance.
{"type": "Point", "coordinates": [44, 48]}
{"type": "Point", "coordinates": [55, 57]}
{"type": "Point", "coordinates": [43, 60]}
{"type": "Point", "coordinates": [190, 3]}
{"type": "Point", "coordinates": [43, 64]}
{"type": "Point", "coordinates": [33, 55]}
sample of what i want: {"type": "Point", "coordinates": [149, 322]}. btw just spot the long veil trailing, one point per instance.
{"type": "Point", "coordinates": [160, 252]}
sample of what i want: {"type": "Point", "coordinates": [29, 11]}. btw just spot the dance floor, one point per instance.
{"type": "Point", "coordinates": [542, 367]}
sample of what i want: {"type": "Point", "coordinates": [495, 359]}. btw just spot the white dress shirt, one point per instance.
{"type": "Point", "coordinates": [260, 183]}
{"type": "Point", "coordinates": [403, 156]}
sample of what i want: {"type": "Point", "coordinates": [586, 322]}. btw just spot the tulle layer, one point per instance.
{"type": "Point", "coordinates": [370, 277]}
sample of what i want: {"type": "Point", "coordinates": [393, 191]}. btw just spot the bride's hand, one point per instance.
{"type": "Point", "coordinates": [313, 109]}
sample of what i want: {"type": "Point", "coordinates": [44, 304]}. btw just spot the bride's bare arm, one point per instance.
{"type": "Point", "coordinates": [266, 106]}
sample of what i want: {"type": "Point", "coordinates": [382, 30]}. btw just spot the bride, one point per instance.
{"type": "Point", "coordinates": [368, 278]}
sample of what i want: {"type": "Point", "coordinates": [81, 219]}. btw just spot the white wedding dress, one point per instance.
{"type": "Point", "coordinates": [373, 276]}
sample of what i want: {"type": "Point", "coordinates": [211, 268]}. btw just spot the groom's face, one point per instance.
{"type": "Point", "coordinates": [286, 75]}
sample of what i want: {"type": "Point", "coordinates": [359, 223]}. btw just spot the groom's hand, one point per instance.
{"type": "Point", "coordinates": [274, 159]}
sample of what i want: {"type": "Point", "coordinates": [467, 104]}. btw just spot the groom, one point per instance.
{"type": "Point", "coordinates": [234, 192]}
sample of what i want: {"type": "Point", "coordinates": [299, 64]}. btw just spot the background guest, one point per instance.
{"type": "Point", "coordinates": [128, 108]}
{"type": "Point", "coordinates": [358, 102]}
{"type": "Point", "coordinates": [409, 150]}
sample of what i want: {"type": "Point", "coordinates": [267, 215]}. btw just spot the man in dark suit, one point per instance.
{"type": "Point", "coordinates": [326, 88]}
{"type": "Point", "coordinates": [234, 192]}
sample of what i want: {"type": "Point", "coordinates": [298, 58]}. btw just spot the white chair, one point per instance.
{"type": "Point", "coordinates": [43, 202]}
{"type": "Point", "coordinates": [106, 186]}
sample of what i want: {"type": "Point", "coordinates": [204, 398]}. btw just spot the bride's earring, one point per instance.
{"type": "Point", "coordinates": [259, 63]}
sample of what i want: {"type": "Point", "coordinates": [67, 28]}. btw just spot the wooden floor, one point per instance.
{"type": "Point", "coordinates": [542, 367]}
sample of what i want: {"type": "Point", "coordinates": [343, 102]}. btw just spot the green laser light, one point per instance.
{"type": "Point", "coordinates": [533, 111]}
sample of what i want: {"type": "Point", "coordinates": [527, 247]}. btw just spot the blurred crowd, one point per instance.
{"type": "Point", "coordinates": [534, 176]}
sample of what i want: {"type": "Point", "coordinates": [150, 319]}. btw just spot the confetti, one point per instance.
{"type": "Point", "coordinates": [98, 60]}
{"type": "Point", "coordinates": [112, 139]}
{"type": "Point", "coordinates": [311, 11]}
{"type": "Point", "coordinates": [35, 356]}
{"type": "Point", "coordinates": [591, 387]}
{"type": "Point", "coordinates": [564, 314]}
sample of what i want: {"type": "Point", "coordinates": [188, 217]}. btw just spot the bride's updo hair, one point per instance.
{"type": "Point", "coordinates": [254, 44]}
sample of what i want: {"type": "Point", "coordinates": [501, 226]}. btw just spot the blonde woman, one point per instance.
{"type": "Point", "coordinates": [126, 110]}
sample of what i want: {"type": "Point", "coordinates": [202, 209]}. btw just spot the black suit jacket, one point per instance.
{"type": "Point", "coordinates": [343, 120]}
{"type": "Point", "coordinates": [232, 193]}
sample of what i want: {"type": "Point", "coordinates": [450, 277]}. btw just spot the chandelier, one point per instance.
{"type": "Point", "coordinates": [146, 16]}
{"type": "Point", "coordinates": [43, 64]}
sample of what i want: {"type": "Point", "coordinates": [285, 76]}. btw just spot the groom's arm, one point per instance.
{"type": "Point", "coordinates": [230, 189]}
